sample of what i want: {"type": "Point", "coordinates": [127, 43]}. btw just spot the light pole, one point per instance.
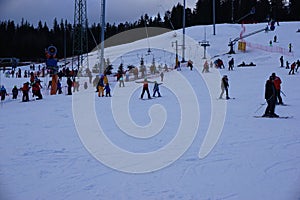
{"type": "Point", "coordinates": [102, 36]}
{"type": "Point", "coordinates": [183, 31]}
{"type": "Point", "coordinates": [214, 17]}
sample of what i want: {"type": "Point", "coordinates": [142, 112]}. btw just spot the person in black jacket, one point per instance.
{"type": "Point", "coordinates": [69, 83]}
{"type": "Point", "coordinates": [224, 87]}
{"type": "Point", "coordinates": [270, 96]}
{"type": "Point", "coordinates": [15, 92]}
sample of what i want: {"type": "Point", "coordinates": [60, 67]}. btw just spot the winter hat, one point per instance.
{"type": "Point", "coordinates": [273, 74]}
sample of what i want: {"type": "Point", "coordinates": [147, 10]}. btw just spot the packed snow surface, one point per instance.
{"type": "Point", "coordinates": [187, 144]}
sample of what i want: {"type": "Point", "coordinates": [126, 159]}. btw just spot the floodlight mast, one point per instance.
{"type": "Point", "coordinates": [183, 32]}
{"type": "Point", "coordinates": [101, 70]}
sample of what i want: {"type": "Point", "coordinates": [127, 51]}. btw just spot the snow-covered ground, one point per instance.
{"type": "Point", "coordinates": [187, 144]}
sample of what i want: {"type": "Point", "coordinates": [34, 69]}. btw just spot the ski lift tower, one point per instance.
{"type": "Point", "coordinates": [204, 43]}
{"type": "Point", "coordinates": [80, 38]}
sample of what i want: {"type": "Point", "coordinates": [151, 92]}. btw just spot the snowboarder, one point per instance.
{"type": "Point", "coordinates": [156, 89]}
{"type": "Point", "coordinates": [270, 96]}
{"type": "Point", "coordinates": [277, 85]}
{"type": "Point", "coordinates": [15, 92]}
{"type": "Point", "coordinates": [3, 93]}
{"type": "Point", "coordinates": [224, 86]}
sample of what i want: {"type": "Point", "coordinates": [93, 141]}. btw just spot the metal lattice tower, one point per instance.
{"type": "Point", "coordinates": [80, 37]}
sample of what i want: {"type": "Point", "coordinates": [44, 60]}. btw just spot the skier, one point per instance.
{"type": "Point", "coordinates": [190, 64]}
{"type": "Point", "coordinates": [100, 86]}
{"type": "Point", "coordinates": [293, 66]}
{"type": "Point", "coordinates": [224, 86]}
{"type": "Point", "coordinates": [281, 61]}
{"type": "Point", "coordinates": [162, 76]}
{"type": "Point", "coordinates": [290, 47]}
{"type": "Point", "coordinates": [69, 83]}
{"type": "Point", "coordinates": [85, 86]}
{"type": "Point", "coordinates": [178, 66]}
{"type": "Point", "coordinates": [95, 82]}
{"type": "Point", "coordinates": [298, 65]}
{"type": "Point", "coordinates": [270, 96]}
{"type": "Point", "coordinates": [231, 64]}
{"type": "Point", "coordinates": [145, 87]}
{"type": "Point", "coordinates": [15, 92]}
{"type": "Point", "coordinates": [25, 89]}
{"type": "Point", "coordinates": [36, 90]}
{"type": "Point", "coordinates": [121, 81]}
{"type": "Point", "coordinates": [205, 67]}
{"type": "Point", "coordinates": [58, 87]}
{"type": "Point", "coordinates": [3, 93]}
{"type": "Point", "coordinates": [107, 90]}
{"type": "Point", "coordinates": [156, 89]}
{"type": "Point", "coordinates": [277, 85]}
{"type": "Point", "coordinates": [275, 38]}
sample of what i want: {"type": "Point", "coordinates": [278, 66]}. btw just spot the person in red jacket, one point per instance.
{"type": "Point", "coordinates": [277, 85]}
{"type": "Point", "coordinates": [293, 66]}
{"type": "Point", "coordinates": [36, 90]}
{"type": "Point", "coordinates": [145, 87]}
{"type": "Point", "coordinates": [25, 89]}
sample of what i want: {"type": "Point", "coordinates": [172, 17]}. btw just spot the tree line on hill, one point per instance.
{"type": "Point", "coordinates": [27, 42]}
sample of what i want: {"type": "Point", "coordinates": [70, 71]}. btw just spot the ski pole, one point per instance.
{"type": "Point", "coordinates": [260, 107]}
{"type": "Point", "coordinates": [263, 104]}
{"type": "Point", "coordinates": [283, 93]}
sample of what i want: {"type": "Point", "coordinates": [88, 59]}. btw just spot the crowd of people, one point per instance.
{"type": "Point", "coordinates": [272, 86]}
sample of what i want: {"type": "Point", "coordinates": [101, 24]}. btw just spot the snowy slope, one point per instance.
{"type": "Point", "coordinates": [185, 145]}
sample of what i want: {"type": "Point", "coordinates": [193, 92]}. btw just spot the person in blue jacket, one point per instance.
{"type": "Point", "coordinates": [156, 89]}
{"type": "Point", "coordinates": [3, 93]}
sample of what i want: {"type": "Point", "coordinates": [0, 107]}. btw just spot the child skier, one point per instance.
{"type": "Point", "coordinates": [15, 92]}
{"type": "Point", "coordinates": [3, 93]}
{"type": "Point", "coordinates": [156, 89]}
{"type": "Point", "coordinates": [107, 90]}
{"type": "Point", "coordinates": [36, 90]}
{"type": "Point", "coordinates": [25, 89]}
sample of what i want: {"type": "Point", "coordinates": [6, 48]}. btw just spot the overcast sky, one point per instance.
{"type": "Point", "coordinates": [116, 10]}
